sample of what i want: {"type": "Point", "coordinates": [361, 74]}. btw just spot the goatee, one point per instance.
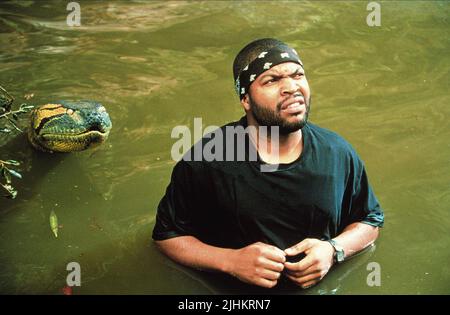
{"type": "Point", "coordinates": [269, 118]}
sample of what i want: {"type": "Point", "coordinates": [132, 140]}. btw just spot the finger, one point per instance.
{"type": "Point", "coordinates": [308, 278]}
{"type": "Point", "coordinates": [272, 265]}
{"type": "Point", "coordinates": [275, 254]}
{"type": "Point", "coordinates": [266, 283]}
{"type": "Point", "coordinates": [298, 274]}
{"type": "Point", "coordinates": [307, 262]}
{"type": "Point", "coordinates": [298, 248]}
{"type": "Point", "coordinates": [269, 274]}
{"type": "Point", "coordinates": [302, 265]}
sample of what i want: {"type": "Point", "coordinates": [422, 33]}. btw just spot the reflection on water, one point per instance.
{"type": "Point", "coordinates": [156, 65]}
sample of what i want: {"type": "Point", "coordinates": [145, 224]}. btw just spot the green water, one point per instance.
{"type": "Point", "coordinates": [155, 65]}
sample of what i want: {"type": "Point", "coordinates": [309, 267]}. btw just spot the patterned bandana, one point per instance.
{"type": "Point", "coordinates": [265, 61]}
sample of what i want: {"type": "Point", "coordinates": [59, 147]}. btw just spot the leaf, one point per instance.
{"type": "Point", "coordinates": [14, 173]}
{"type": "Point", "coordinates": [5, 130]}
{"type": "Point", "coordinates": [5, 187]}
{"type": "Point", "coordinates": [5, 173]}
{"type": "Point", "coordinates": [54, 223]}
{"type": "Point", "coordinates": [12, 193]}
{"type": "Point", "coordinates": [12, 162]}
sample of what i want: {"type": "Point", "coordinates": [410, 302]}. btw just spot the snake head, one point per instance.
{"type": "Point", "coordinates": [68, 126]}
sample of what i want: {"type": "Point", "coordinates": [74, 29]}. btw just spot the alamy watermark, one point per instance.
{"type": "Point", "coordinates": [73, 279]}
{"type": "Point", "coordinates": [74, 17]}
{"type": "Point", "coordinates": [237, 144]}
{"type": "Point", "coordinates": [374, 277]}
{"type": "Point", "coordinates": [374, 17]}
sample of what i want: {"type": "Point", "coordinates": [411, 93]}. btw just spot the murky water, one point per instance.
{"type": "Point", "coordinates": [155, 65]}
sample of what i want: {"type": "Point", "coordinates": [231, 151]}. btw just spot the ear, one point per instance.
{"type": "Point", "coordinates": [245, 103]}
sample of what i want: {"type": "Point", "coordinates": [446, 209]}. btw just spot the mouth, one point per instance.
{"type": "Point", "coordinates": [92, 132]}
{"type": "Point", "coordinates": [96, 129]}
{"type": "Point", "coordinates": [294, 105]}
{"type": "Point", "coordinates": [95, 133]}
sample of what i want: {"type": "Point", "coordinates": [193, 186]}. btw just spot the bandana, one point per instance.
{"type": "Point", "coordinates": [264, 61]}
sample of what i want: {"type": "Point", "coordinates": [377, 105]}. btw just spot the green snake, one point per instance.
{"type": "Point", "coordinates": [67, 126]}
{"type": "Point", "coordinates": [64, 126]}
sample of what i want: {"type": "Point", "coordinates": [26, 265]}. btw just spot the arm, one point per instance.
{"type": "Point", "coordinates": [259, 264]}
{"type": "Point", "coordinates": [189, 251]}
{"type": "Point", "coordinates": [356, 237]}
{"type": "Point", "coordinates": [319, 254]}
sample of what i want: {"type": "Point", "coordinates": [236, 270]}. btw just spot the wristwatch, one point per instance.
{"type": "Point", "coordinates": [338, 251]}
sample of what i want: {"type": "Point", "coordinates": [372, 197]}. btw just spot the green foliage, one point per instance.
{"type": "Point", "coordinates": [8, 120]}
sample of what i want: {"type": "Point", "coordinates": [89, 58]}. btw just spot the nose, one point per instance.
{"type": "Point", "coordinates": [290, 86]}
{"type": "Point", "coordinates": [98, 120]}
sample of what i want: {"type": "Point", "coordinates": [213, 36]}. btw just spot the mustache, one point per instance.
{"type": "Point", "coordinates": [296, 94]}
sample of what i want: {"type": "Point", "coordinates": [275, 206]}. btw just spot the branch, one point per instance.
{"type": "Point", "coordinates": [24, 108]}
{"type": "Point", "coordinates": [6, 173]}
{"type": "Point", "coordinates": [11, 116]}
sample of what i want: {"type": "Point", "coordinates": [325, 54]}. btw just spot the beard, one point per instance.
{"type": "Point", "coordinates": [267, 117]}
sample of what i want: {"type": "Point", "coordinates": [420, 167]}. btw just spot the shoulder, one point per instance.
{"type": "Point", "coordinates": [330, 141]}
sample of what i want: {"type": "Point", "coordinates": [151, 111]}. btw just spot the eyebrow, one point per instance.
{"type": "Point", "coordinates": [297, 71]}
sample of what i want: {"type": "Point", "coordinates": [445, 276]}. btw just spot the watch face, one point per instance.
{"type": "Point", "coordinates": [340, 256]}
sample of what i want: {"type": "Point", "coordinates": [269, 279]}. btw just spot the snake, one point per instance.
{"type": "Point", "coordinates": [63, 126]}
{"type": "Point", "coordinates": [68, 126]}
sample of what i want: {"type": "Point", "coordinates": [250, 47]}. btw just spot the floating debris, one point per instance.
{"type": "Point", "coordinates": [67, 290]}
{"type": "Point", "coordinates": [94, 224]}
{"type": "Point", "coordinates": [28, 96]}
{"type": "Point", "coordinates": [54, 223]}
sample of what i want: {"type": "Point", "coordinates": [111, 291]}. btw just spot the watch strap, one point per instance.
{"type": "Point", "coordinates": [338, 251]}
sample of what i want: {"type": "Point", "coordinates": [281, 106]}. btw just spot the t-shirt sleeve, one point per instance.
{"type": "Point", "coordinates": [364, 206]}
{"type": "Point", "coordinates": [173, 217]}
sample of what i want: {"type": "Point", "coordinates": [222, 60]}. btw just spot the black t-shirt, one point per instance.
{"type": "Point", "coordinates": [233, 203]}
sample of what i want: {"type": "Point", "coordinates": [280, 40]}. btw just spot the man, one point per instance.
{"type": "Point", "coordinates": [311, 211]}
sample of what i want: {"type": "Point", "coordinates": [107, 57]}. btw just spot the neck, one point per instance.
{"type": "Point", "coordinates": [290, 146]}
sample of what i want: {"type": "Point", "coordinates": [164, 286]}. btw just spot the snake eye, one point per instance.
{"type": "Point", "coordinates": [69, 111]}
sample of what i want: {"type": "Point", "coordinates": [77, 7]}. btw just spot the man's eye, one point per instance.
{"type": "Point", "coordinates": [271, 81]}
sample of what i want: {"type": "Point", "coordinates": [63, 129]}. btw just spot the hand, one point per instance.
{"type": "Point", "coordinates": [311, 269]}
{"type": "Point", "coordinates": [260, 264]}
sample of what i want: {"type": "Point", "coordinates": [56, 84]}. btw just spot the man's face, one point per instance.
{"type": "Point", "coordinates": [280, 97]}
